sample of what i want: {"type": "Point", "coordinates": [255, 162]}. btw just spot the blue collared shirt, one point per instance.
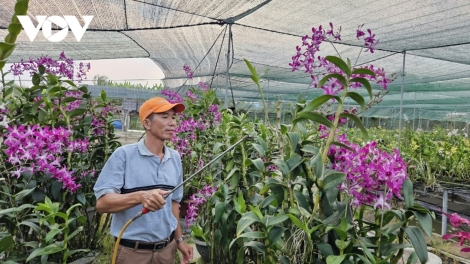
{"type": "Point", "coordinates": [133, 168]}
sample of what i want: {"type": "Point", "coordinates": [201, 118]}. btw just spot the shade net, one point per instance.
{"type": "Point", "coordinates": [175, 33]}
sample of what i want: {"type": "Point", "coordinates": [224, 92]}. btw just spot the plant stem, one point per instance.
{"type": "Point", "coordinates": [266, 117]}
{"type": "Point", "coordinates": [400, 241]}
{"type": "Point", "coordinates": [381, 224]}
{"type": "Point", "coordinates": [335, 125]}
{"type": "Point", "coordinates": [245, 182]}
{"type": "Point", "coordinates": [291, 194]}
{"type": "Point", "coordinates": [3, 84]}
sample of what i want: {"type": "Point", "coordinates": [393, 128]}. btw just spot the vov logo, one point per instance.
{"type": "Point", "coordinates": [45, 22]}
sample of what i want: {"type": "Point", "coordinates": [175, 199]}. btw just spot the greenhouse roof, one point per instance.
{"type": "Point", "coordinates": [434, 34]}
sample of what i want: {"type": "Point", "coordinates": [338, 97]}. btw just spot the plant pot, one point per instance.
{"type": "Point", "coordinates": [203, 249]}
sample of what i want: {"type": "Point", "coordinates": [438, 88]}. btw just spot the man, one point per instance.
{"type": "Point", "coordinates": [137, 176]}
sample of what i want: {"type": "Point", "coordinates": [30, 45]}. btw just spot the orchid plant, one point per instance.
{"type": "Point", "coordinates": [55, 139]}
{"type": "Point", "coordinates": [194, 138]}
{"type": "Point", "coordinates": [330, 198]}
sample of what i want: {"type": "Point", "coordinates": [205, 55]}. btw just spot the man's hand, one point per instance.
{"type": "Point", "coordinates": [153, 200]}
{"type": "Point", "coordinates": [187, 252]}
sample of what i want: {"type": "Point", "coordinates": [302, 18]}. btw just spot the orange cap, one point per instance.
{"type": "Point", "coordinates": [157, 105]}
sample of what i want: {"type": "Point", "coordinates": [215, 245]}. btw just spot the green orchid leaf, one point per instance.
{"type": "Point", "coordinates": [317, 102]}
{"type": "Point", "coordinates": [253, 235]}
{"type": "Point", "coordinates": [259, 164]}
{"type": "Point", "coordinates": [315, 117]}
{"type": "Point", "coordinates": [275, 234]}
{"type": "Point", "coordinates": [297, 222]}
{"type": "Point", "coordinates": [408, 194]}
{"type": "Point", "coordinates": [219, 210]}
{"type": "Point", "coordinates": [310, 149]}
{"type": "Point", "coordinates": [254, 75]}
{"type": "Point", "coordinates": [358, 122]}
{"type": "Point", "coordinates": [240, 205]}
{"type": "Point", "coordinates": [363, 71]}
{"type": "Point", "coordinates": [48, 250]}
{"type": "Point", "coordinates": [258, 246]}
{"type": "Point", "coordinates": [302, 201]}
{"type": "Point", "coordinates": [267, 201]}
{"type": "Point", "coordinates": [197, 230]}
{"type": "Point", "coordinates": [392, 248]}
{"type": "Point", "coordinates": [325, 249]}
{"type": "Point", "coordinates": [260, 149]}
{"type": "Point", "coordinates": [340, 64]}
{"type": "Point", "coordinates": [52, 234]}
{"type": "Point", "coordinates": [333, 180]}
{"type": "Point", "coordinates": [364, 83]}
{"type": "Point", "coordinates": [6, 243]}
{"type": "Point", "coordinates": [342, 145]}
{"type": "Point", "coordinates": [282, 165]}
{"type": "Point", "coordinates": [425, 221]}
{"type": "Point", "coordinates": [274, 220]}
{"type": "Point", "coordinates": [24, 193]}
{"type": "Point", "coordinates": [416, 237]}
{"type": "Point", "coordinates": [358, 98]}
{"type": "Point", "coordinates": [317, 164]}
{"type": "Point", "coordinates": [77, 112]}
{"type": "Point", "coordinates": [78, 230]}
{"type": "Point", "coordinates": [412, 259]}
{"type": "Point", "coordinates": [338, 76]}
{"type": "Point", "coordinates": [246, 220]}
{"type": "Point", "coordinates": [294, 139]}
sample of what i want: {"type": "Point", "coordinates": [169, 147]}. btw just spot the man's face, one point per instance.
{"type": "Point", "coordinates": [161, 125]}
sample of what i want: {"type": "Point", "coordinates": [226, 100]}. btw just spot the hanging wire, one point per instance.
{"type": "Point", "coordinates": [174, 9]}
{"type": "Point", "coordinates": [202, 59]}
{"type": "Point", "coordinates": [218, 57]}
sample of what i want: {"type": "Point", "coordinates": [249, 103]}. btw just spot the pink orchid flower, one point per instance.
{"type": "Point", "coordinates": [461, 235]}
{"type": "Point", "coordinates": [456, 220]}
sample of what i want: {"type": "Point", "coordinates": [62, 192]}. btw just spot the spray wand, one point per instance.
{"type": "Point", "coordinates": [145, 210]}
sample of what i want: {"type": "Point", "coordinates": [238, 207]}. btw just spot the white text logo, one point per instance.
{"type": "Point", "coordinates": [45, 22]}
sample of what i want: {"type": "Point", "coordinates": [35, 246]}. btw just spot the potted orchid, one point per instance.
{"type": "Point", "coordinates": [55, 141]}
{"type": "Point", "coordinates": [328, 200]}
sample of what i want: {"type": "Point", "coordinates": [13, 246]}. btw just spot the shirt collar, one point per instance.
{"type": "Point", "coordinates": [143, 150]}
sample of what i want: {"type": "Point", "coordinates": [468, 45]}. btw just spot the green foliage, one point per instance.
{"type": "Point", "coordinates": [103, 81]}
{"type": "Point", "coordinates": [278, 202]}
{"type": "Point", "coordinates": [203, 147]}
{"type": "Point", "coordinates": [48, 103]}
{"type": "Point", "coordinates": [14, 29]}
{"type": "Point", "coordinates": [53, 232]}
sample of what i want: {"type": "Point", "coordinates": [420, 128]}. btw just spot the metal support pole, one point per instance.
{"type": "Point", "coordinates": [228, 64]}
{"type": "Point", "coordinates": [267, 95]}
{"type": "Point", "coordinates": [401, 101]}
{"type": "Point", "coordinates": [468, 110]}
{"type": "Point", "coordinates": [455, 115]}
{"type": "Point", "coordinates": [414, 113]}
{"type": "Point", "coordinates": [420, 120]}
{"type": "Point", "coordinates": [444, 209]}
